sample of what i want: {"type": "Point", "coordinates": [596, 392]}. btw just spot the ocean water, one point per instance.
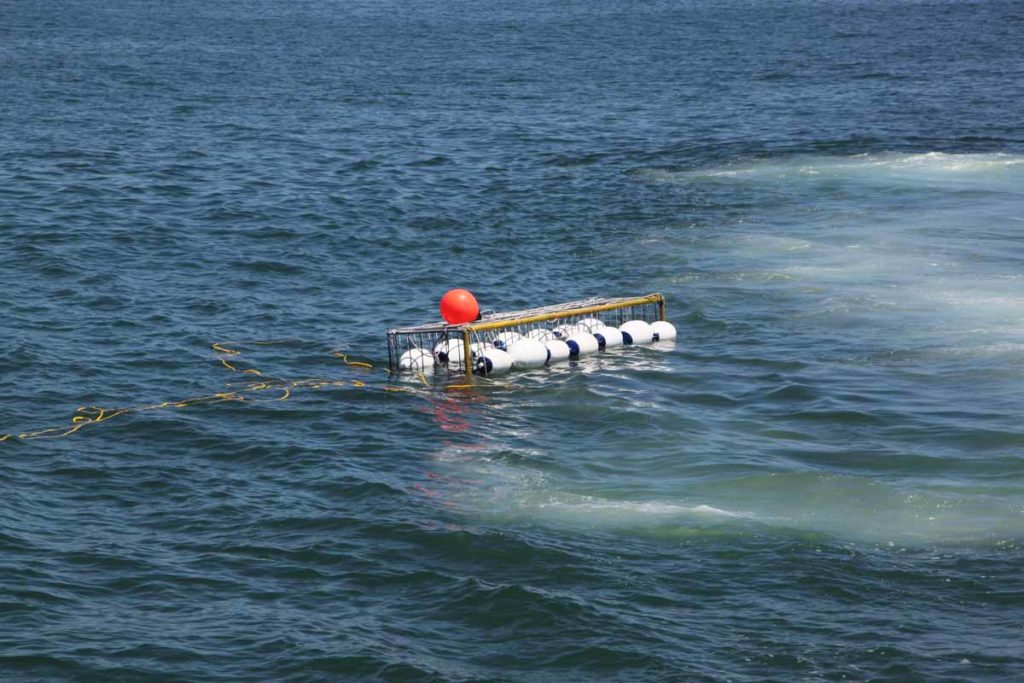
{"type": "Point", "coordinates": [821, 480]}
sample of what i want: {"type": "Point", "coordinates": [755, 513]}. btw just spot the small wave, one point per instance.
{"type": "Point", "coordinates": [437, 160]}
{"type": "Point", "coordinates": [570, 161]}
{"type": "Point", "coordinates": [636, 509]}
{"type": "Point", "coordinates": [854, 508]}
{"type": "Point", "coordinates": [889, 165]}
{"type": "Point", "coordinates": [265, 266]}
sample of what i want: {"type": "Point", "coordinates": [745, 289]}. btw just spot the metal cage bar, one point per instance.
{"type": "Point", "coordinates": [412, 346]}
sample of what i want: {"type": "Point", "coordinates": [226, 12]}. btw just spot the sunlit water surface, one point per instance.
{"type": "Point", "coordinates": [822, 479]}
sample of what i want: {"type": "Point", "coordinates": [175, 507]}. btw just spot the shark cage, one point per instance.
{"type": "Point", "coordinates": [527, 338]}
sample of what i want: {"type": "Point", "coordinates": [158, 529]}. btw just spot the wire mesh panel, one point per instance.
{"type": "Point", "coordinates": [440, 347]}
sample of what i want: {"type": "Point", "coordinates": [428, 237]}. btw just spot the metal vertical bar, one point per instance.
{"type": "Point", "coordinates": [466, 354]}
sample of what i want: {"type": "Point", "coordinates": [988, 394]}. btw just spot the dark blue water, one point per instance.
{"type": "Point", "coordinates": [822, 480]}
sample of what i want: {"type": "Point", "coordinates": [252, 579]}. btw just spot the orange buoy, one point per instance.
{"type": "Point", "coordinates": [459, 306]}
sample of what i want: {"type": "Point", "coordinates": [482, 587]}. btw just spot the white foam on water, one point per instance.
{"type": "Point", "coordinates": [843, 508]}
{"type": "Point", "coordinates": [502, 486]}
{"type": "Point", "coordinates": [592, 508]}
{"type": "Point", "coordinates": [927, 167]}
{"type": "Point", "coordinates": [926, 245]}
{"type": "Point", "coordinates": [563, 509]}
{"type": "Point", "coordinates": [494, 483]}
{"type": "Point", "coordinates": [865, 509]}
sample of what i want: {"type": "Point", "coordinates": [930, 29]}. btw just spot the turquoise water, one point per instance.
{"type": "Point", "coordinates": [822, 479]}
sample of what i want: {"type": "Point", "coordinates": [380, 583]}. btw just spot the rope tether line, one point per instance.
{"type": "Point", "coordinates": [91, 415]}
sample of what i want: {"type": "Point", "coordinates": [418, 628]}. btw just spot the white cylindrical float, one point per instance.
{"type": "Point", "coordinates": [663, 330]}
{"type": "Point", "coordinates": [636, 332]}
{"type": "Point", "coordinates": [476, 348]}
{"type": "Point", "coordinates": [503, 340]}
{"type": "Point", "coordinates": [416, 359]}
{"type": "Point", "coordinates": [608, 337]}
{"type": "Point", "coordinates": [563, 331]}
{"type": "Point", "coordinates": [492, 362]}
{"type": "Point", "coordinates": [450, 351]}
{"type": "Point", "coordinates": [592, 324]}
{"type": "Point", "coordinates": [540, 334]}
{"type": "Point", "coordinates": [582, 344]}
{"type": "Point", "coordinates": [528, 353]}
{"type": "Point", "coordinates": [558, 349]}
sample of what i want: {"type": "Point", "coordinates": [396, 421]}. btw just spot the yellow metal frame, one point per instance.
{"type": "Point", "coordinates": [568, 313]}
{"type": "Point", "coordinates": [469, 329]}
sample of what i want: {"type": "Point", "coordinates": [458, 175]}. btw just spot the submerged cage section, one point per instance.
{"type": "Point", "coordinates": [440, 347]}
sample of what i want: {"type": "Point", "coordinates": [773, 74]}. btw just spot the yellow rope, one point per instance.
{"type": "Point", "coordinates": [220, 348]}
{"type": "Point", "coordinates": [353, 363]}
{"type": "Point", "coordinates": [90, 415]}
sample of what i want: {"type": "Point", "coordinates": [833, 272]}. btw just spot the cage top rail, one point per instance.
{"type": "Point", "coordinates": [540, 314]}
